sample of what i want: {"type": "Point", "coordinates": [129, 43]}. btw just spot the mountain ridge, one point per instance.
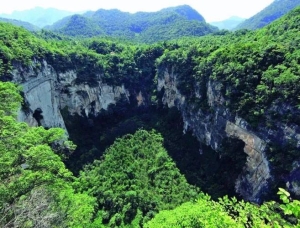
{"type": "Point", "coordinates": [275, 10]}
{"type": "Point", "coordinates": [181, 20]}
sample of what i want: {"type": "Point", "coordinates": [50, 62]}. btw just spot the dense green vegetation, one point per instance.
{"type": "Point", "coordinates": [228, 213]}
{"type": "Point", "coordinates": [166, 24]}
{"type": "Point", "coordinates": [135, 179]}
{"type": "Point", "coordinates": [136, 183]}
{"type": "Point", "coordinates": [275, 10]}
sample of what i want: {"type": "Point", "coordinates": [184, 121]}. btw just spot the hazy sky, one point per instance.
{"type": "Point", "coordinates": [211, 10]}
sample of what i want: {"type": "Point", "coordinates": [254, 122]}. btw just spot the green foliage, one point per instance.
{"type": "Point", "coordinates": [229, 213]}
{"type": "Point", "coordinates": [79, 25]}
{"type": "Point", "coordinates": [202, 213]}
{"type": "Point", "coordinates": [16, 44]}
{"type": "Point", "coordinates": [256, 73]}
{"type": "Point", "coordinates": [272, 12]}
{"type": "Point", "coordinates": [251, 215]}
{"type": "Point", "coordinates": [136, 175]}
{"type": "Point", "coordinates": [9, 99]}
{"type": "Point", "coordinates": [134, 184]}
{"type": "Point", "coordinates": [290, 207]}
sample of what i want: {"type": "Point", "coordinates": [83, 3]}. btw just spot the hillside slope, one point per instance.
{"type": "Point", "coordinates": [272, 12]}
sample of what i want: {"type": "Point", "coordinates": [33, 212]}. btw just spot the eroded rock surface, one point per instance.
{"type": "Point", "coordinates": [47, 92]}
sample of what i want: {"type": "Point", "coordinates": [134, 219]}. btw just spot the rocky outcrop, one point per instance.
{"type": "Point", "coordinates": [257, 172]}
{"type": "Point", "coordinates": [84, 99]}
{"type": "Point", "coordinates": [47, 92]}
{"type": "Point", "coordinates": [38, 85]}
{"type": "Point", "coordinates": [212, 126]}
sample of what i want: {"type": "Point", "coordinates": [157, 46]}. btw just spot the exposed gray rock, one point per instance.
{"type": "Point", "coordinates": [38, 83]}
{"type": "Point", "coordinates": [256, 173]}
{"type": "Point", "coordinates": [48, 92]}
{"type": "Point", "coordinates": [168, 82]}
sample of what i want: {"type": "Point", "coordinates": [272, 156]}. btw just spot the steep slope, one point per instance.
{"type": "Point", "coordinates": [38, 16]}
{"type": "Point", "coordinates": [166, 24]}
{"type": "Point", "coordinates": [229, 23]}
{"type": "Point", "coordinates": [26, 25]}
{"type": "Point", "coordinates": [272, 12]}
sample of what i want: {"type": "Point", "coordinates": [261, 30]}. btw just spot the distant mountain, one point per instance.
{"type": "Point", "coordinates": [169, 23]}
{"type": "Point", "coordinates": [26, 25]}
{"type": "Point", "coordinates": [78, 25]}
{"type": "Point", "coordinates": [229, 23]}
{"type": "Point", "coordinates": [38, 16]}
{"type": "Point", "coordinates": [186, 11]}
{"type": "Point", "coordinates": [272, 12]}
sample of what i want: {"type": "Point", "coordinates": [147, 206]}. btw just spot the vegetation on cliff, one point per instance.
{"type": "Point", "coordinates": [258, 71]}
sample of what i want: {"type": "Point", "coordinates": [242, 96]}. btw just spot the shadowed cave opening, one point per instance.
{"type": "Point", "coordinates": [214, 172]}
{"type": "Point", "coordinates": [37, 115]}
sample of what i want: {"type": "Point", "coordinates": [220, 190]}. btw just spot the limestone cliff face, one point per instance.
{"type": "Point", "coordinates": [38, 86]}
{"type": "Point", "coordinates": [47, 92]}
{"type": "Point", "coordinates": [217, 123]}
